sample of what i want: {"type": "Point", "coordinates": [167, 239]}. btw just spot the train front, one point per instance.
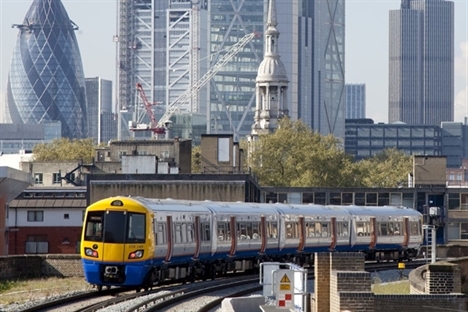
{"type": "Point", "coordinates": [117, 245]}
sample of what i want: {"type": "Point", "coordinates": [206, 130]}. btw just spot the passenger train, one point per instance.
{"type": "Point", "coordinates": [138, 242]}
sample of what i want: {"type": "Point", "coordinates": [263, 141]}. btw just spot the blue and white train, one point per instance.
{"type": "Point", "coordinates": [138, 242]}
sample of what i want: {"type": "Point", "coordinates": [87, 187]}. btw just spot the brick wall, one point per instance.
{"type": "Point", "coordinates": [322, 282]}
{"type": "Point", "coordinates": [443, 278]}
{"type": "Point", "coordinates": [25, 266]}
{"type": "Point", "coordinates": [392, 303]}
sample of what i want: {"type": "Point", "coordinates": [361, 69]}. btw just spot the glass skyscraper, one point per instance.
{"type": "Point", "coordinates": [355, 101]}
{"type": "Point", "coordinates": [169, 53]}
{"type": "Point", "coordinates": [46, 79]}
{"type": "Point", "coordinates": [421, 62]}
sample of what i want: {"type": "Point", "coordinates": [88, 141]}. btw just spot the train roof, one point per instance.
{"type": "Point", "coordinates": [381, 211]}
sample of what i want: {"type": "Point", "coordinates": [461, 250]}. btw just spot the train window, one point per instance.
{"type": "Point", "coordinates": [205, 234]}
{"type": "Point", "coordinates": [242, 231]}
{"type": "Point", "coordinates": [342, 229]}
{"type": "Point", "coordinates": [161, 234]}
{"type": "Point", "coordinates": [190, 233]}
{"type": "Point", "coordinates": [362, 228]}
{"type": "Point", "coordinates": [178, 232]}
{"type": "Point", "coordinates": [93, 227]}
{"type": "Point", "coordinates": [324, 229]}
{"type": "Point", "coordinates": [255, 231]}
{"type": "Point", "coordinates": [318, 230]}
{"type": "Point", "coordinates": [292, 230]}
{"type": "Point", "coordinates": [136, 228]}
{"type": "Point", "coordinates": [310, 229]}
{"type": "Point", "coordinates": [415, 228]}
{"type": "Point", "coordinates": [383, 229]}
{"type": "Point", "coordinates": [224, 231]}
{"type": "Point", "coordinates": [272, 230]}
{"type": "Point", "coordinates": [397, 228]}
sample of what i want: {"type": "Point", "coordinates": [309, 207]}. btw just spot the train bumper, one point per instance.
{"type": "Point", "coordinates": [115, 274]}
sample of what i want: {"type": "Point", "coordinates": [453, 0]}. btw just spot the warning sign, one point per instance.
{"type": "Point", "coordinates": [284, 301]}
{"type": "Point", "coordinates": [285, 279]}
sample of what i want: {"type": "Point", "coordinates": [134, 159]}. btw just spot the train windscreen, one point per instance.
{"type": "Point", "coordinates": [107, 226]}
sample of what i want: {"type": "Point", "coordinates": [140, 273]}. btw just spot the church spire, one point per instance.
{"type": "Point", "coordinates": [272, 81]}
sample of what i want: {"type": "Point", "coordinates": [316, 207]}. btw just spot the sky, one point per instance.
{"type": "Point", "coordinates": [366, 45]}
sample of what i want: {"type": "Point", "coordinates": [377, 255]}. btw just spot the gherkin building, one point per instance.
{"type": "Point", "coordinates": [46, 80]}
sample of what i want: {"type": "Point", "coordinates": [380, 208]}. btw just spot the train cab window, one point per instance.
{"type": "Point", "coordinates": [161, 234]}
{"type": "Point", "coordinates": [272, 229]}
{"type": "Point", "coordinates": [136, 228]}
{"type": "Point", "coordinates": [292, 230]}
{"type": "Point", "coordinates": [93, 227]}
{"type": "Point", "coordinates": [205, 232]}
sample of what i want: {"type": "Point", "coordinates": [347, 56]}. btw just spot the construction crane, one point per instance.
{"type": "Point", "coordinates": [160, 127]}
{"type": "Point", "coordinates": [153, 126]}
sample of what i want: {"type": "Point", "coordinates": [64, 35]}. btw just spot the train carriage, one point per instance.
{"type": "Point", "coordinates": [134, 241]}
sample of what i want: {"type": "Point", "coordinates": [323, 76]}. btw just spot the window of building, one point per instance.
{"type": "Point", "coordinates": [35, 216]}
{"type": "Point", "coordinates": [346, 198]}
{"type": "Point", "coordinates": [66, 216]}
{"type": "Point", "coordinates": [223, 149]}
{"type": "Point", "coordinates": [335, 198]}
{"type": "Point", "coordinates": [56, 178]}
{"type": "Point", "coordinates": [37, 244]}
{"type": "Point", "coordinates": [307, 198]}
{"type": "Point", "coordinates": [371, 199]}
{"type": "Point", "coordinates": [464, 230]}
{"type": "Point", "coordinates": [320, 198]}
{"type": "Point", "coordinates": [38, 178]}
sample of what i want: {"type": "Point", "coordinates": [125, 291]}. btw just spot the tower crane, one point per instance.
{"type": "Point", "coordinates": [160, 127]}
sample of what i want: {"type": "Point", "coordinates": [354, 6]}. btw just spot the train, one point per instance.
{"type": "Point", "coordinates": [140, 242]}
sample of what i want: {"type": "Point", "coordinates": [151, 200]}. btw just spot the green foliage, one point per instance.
{"type": "Point", "coordinates": [6, 285]}
{"type": "Point", "coordinates": [296, 156]}
{"type": "Point", "coordinates": [64, 149]}
{"type": "Point", "coordinates": [387, 169]}
{"type": "Point", "coordinates": [196, 159]}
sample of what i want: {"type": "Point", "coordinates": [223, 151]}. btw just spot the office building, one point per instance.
{"type": "Point", "coordinates": [46, 80]}
{"type": "Point", "coordinates": [421, 62]}
{"type": "Point", "coordinates": [21, 138]}
{"type": "Point", "coordinates": [365, 139]}
{"type": "Point", "coordinates": [102, 123]}
{"type": "Point", "coordinates": [355, 101]}
{"type": "Point", "coordinates": [171, 52]}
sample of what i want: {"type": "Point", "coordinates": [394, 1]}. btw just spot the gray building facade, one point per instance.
{"type": "Point", "coordinates": [15, 138]}
{"type": "Point", "coordinates": [355, 101]}
{"type": "Point", "coordinates": [421, 62]}
{"type": "Point", "coordinates": [102, 124]}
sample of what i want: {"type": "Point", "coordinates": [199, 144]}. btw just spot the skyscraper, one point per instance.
{"type": "Point", "coordinates": [46, 80]}
{"type": "Point", "coordinates": [170, 52]}
{"type": "Point", "coordinates": [421, 64]}
{"type": "Point", "coordinates": [355, 101]}
{"type": "Point", "coordinates": [102, 124]}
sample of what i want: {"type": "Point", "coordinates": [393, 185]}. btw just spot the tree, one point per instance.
{"type": "Point", "coordinates": [387, 169]}
{"type": "Point", "coordinates": [64, 149]}
{"type": "Point", "coordinates": [296, 156]}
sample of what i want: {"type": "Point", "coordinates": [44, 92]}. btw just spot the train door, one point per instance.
{"type": "Point", "coordinates": [170, 239]}
{"type": "Point", "coordinates": [302, 235]}
{"type": "Point", "coordinates": [233, 226]}
{"type": "Point", "coordinates": [333, 233]}
{"type": "Point", "coordinates": [373, 233]}
{"type": "Point", "coordinates": [406, 232]}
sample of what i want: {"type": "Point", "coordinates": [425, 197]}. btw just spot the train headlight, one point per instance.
{"type": "Point", "coordinates": [136, 254]}
{"type": "Point", "coordinates": [91, 253]}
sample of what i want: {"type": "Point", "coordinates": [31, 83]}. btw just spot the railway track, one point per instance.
{"type": "Point", "coordinates": [164, 296]}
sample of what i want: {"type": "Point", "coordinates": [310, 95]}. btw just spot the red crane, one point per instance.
{"type": "Point", "coordinates": [153, 126]}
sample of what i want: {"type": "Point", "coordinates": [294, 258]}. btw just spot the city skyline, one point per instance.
{"type": "Point", "coordinates": [366, 47]}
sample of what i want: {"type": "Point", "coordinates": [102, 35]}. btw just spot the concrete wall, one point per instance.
{"type": "Point", "coordinates": [429, 170]}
